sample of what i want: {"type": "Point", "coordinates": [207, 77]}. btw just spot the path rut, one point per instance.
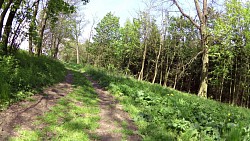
{"type": "Point", "coordinates": [24, 113]}
{"type": "Point", "coordinates": [112, 117]}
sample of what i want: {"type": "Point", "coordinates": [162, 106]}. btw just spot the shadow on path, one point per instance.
{"type": "Point", "coordinates": [112, 116]}
{"type": "Point", "coordinates": [23, 113]}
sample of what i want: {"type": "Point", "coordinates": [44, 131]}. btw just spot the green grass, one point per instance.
{"type": "Point", "coordinates": [73, 118]}
{"type": "Point", "coordinates": [166, 114]}
{"type": "Point", "coordinates": [22, 75]}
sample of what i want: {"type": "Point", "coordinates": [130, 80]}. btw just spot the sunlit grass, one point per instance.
{"type": "Point", "coordinates": [73, 118]}
{"type": "Point", "coordinates": [166, 114]}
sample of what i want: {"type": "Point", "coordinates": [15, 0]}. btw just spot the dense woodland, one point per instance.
{"type": "Point", "coordinates": [207, 54]}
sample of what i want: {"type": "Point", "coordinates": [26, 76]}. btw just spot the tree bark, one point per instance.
{"type": "Point", "coordinates": [77, 53]}
{"type": "Point", "coordinates": [143, 62]}
{"type": "Point", "coordinates": [8, 26]}
{"type": "Point", "coordinates": [201, 26]}
{"type": "Point", "coordinates": [56, 49]}
{"type": "Point", "coordinates": [32, 27]}
{"type": "Point", "coordinates": [3, 16]}
{"type": "Point", "coordinates": [43, 24]}
{"type": "Point", "coordinates": [204, 75]}
{"type": "Point", "coordinates": [156, 64]}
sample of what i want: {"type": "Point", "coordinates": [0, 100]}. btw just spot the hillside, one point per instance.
{"type": "Point", "coordinates": [155, 112]}
{"type": "Point", "coordinates": [166, 114]}
{"type": "Point", "coordinates": [22, 75]}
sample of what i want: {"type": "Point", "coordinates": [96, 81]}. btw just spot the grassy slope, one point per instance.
{"type": "Point", "coordinates": [22, 75]}
{"type": "Point", "coordinates": [69, 121]}
{"type": "Point", "coordinates": [166, 114]}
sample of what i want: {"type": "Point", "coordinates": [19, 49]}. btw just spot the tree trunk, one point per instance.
{"type": "Point", "coordinates": [56, 49]}
{"type": "Point", "coordinates": [43, 24]}
{"type": "Point", "coordinates": [204, 74]}
{"type": "Point", "coordinates": [32, 27]}
{"type": "Point", "coordinates": [15, 36]}
{"type": "Point", "coordinates": [53, 45]}
{"type": "Point", "coordinates": [143, 62]}
{"type": "Point", "coordinates": [161, 74]}
{"type": "Point", "coordinates": [175, 80]}
{"type": "Point", "coordinates": [8, 26]}
{"type": "Point", "coordinates": [201, 26]}
{"type": "Point", "coordinates": [77, 53]}
{"type": "Point", "coordinates": [3, 16]}
{"type": "Point", "coordinates": [156, 64]}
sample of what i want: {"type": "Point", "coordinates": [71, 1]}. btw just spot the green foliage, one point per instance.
{"type": "Point", "coordinates": [106, 40]}
{"type": "Point", "coordinates": [22, 74]}
{"type": "Point", "coordinates": [163, 113]}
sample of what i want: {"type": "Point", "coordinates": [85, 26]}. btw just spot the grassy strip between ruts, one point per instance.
{"type": "Point", "coordinates": [166, 114]}
{"type": "Point", "coordinates": [125, 131]}
{"type": "Point", "coordinates": [75, 116]}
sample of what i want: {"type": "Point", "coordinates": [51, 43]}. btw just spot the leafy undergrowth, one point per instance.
{"type": "Point", "coordinates": [22, 75]}
{"type": "Point", "coordinates": [166, 114]}
{"type": "Point", "coordinates": [73, 118]}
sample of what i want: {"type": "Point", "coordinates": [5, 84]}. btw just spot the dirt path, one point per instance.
{"type": "Point", "coordinates": [112, 117]}
{"type": "Point", "coordinates": [23, 113]}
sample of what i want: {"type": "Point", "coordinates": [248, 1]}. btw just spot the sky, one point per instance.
{"type": "Point", "coordinates": [124, 9]}
{"type": "Point", "coordinates": [97, 9]}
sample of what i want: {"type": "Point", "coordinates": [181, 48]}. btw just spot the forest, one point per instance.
{"type": "Point", "coordinates": [164, 63]}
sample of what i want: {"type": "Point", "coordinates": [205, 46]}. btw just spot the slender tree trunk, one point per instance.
{"type": "Point", "coordinates": [8, 26]}
{"type": "Point", "coordinates": [53, 45]}
{"type": "Point", "coordinates": [3, 16]}
{"type": "Point", "coordinates": [221, 89]}
{"type": "Point", "coordinates": [230, 90]}
{"type": "Point", "coordinates": [32, 27]}
{"type": "Point", "coordinates": [57, 48]}
{"type": "Point", "coordinates": [15, 35]}
{"type": "Point", "coordinates": [77, 53]}
{"type": "Point", "coordinates": [41, 33]}
{"type": "Point", "coordinates": [156, 64]}
{"type": "Point", "coordinates": [167, 70]}
{"type": "Point", "coordinates": [175, 80]}
{"type": "Point", "coordinates": [235, 84]}
{"type": "Point", "coordinates": [143, 62]}
{"type": "Point", "coordinates": [161, 73]}
{"type": "Point", "coordinates": [127, 67]}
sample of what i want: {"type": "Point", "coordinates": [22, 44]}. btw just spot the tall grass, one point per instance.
{"type": "Point", "coordinates": [166, 114]}
{"type": "Point", "coordinates": [23, 74]}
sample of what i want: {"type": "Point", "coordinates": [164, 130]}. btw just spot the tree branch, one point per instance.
{"type": "Point", "coordinates": [185, 15]}
{"type": "Point", "coordinates": [190, 62]}
{"type": "Point", "coordinates": [198, 9]}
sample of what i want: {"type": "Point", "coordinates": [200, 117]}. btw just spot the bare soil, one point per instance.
{"type": "Point", "coordinates": [24, 113]}
{"type": "Point", "coordinates": [112, 117]}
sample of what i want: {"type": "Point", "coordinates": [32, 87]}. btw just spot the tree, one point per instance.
{"type": "Point", "coordinates": [201, 25]}
{"type": "Point", "coordinates": [8, 25]}
{"type": "Point", "coordinates": [51, 11]}
{"type": "Point", "coordinates": [130, 40]}
{"type": "Point", "coordinates": [3, 14]}
{"type": "Point", "coordinates": [32, 26]}
{"type": "Point", "coordinates": [107, 33]}
{"type": "Point", "coordinates": [145, 26]}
